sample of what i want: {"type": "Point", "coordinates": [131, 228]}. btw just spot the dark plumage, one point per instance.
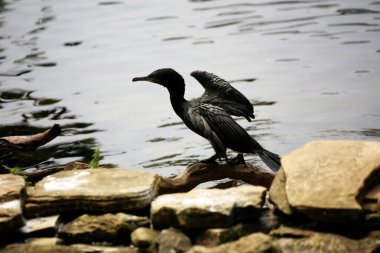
{"type": "Point", "coordinates": [219, 92]}
{"type": "Point", "coordinates": [208, 120]}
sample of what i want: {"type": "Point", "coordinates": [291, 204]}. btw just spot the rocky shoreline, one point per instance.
{"type": "Point", "coordinates": [325, 198]}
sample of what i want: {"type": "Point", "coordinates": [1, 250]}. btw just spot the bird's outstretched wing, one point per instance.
{"type": "Point", "coordinates": [219, 92]}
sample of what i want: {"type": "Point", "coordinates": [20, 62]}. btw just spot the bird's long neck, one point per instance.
{"type": "Point", "coordinates": [178, 101]}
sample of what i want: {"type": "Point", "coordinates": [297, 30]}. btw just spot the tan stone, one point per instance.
{"type": "Point", "coordinates": [215, 236]}
{"type": "Point", "coordinates": [172, 240]}
{"type": "Point", "coordinates": [207, 208]}
{"type": "Point", "coordinates": [11, 190]}
{"type": "Point", "coordinates": [11, 187]}
{"type": "Point", "coordinates": [277, 193]}
{"type": "Point", "coordinates": [253, 243]}
{"type": "Point", "coordinates": [105, 190]}
{"type": "Point", "coordinates": [112, 228]}
{"type": "Point", "coordinates": [292, 240]}
{"type": "Point", "coordinates": [325, 179]}
{"type": "Point", "coordinates": [144, 237]}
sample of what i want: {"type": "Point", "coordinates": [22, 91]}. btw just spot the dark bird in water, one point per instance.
{"type": "Point", "coordinates": [210, 121]}
{"type": "Point", "coordinates": [219, 92]}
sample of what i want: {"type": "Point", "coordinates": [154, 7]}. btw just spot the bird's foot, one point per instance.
{"type": "Point", "coordinates": [239, 159]}
{"type": "Point", "coordinates": [211, 160]}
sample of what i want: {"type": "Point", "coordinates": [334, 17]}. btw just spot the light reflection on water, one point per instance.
{"type": "Point", "coordinates": [311, 68]}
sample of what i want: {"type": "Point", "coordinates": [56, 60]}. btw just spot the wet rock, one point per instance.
{"type": "Point", "coordinates": [257, 243]}
{"type": "Point", "coordinates": [291, 240]}
{"type": "Point", "coordinates": [12, 187]}
{"type": "Point", "coordinates": [43, 226]}
{"type": "Point", "coordinates": [215, 236]}
{"type": "Point", "coordinates": [144, 238]}
{"type": "Point", "coordinates": [103, 190]}
{"type": "Point", "coordinates": [112, 228]}
{"type": "Point", "coordinates": [173, 240]}
{"type": "Point", "coordinates": [207, 208]}
{"type": "Point", "coordinates": [326, 179]}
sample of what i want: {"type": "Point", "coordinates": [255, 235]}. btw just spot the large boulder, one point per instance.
{"type": "Point", "coordinates": [102, 190]}
{"type": "Point", "coordinates": [328, 180]}
{"type": "Point", "coordinates": [112, 228]}
{"type": "Point", "coordinates": [11, 191]}
{"type": "Point", "coordinates": [207, 208]}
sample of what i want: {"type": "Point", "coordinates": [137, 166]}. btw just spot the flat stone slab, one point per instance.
{"type": "Point", "coordinates": [292, 240]}
{"type": "Point", "coordinates": [103, 190]}
{"type": "Point", "coordinates": [111, 228]}
{"type": "Point", "coordinates": [325, 179]}
{"type": "Point", "coordinates": [75, 248]}
{"type": "Point", "coordinates": [207, 208]}
{"type": "Point", "coordinates": [11, 189]}
{"type": "Point", "coordinates": [255, 243]}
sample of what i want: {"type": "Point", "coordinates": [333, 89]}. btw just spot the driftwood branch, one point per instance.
{"type": "Point", "coordinates": [201, 173]}
{"type": "Point", "coordinates": [10, 144]}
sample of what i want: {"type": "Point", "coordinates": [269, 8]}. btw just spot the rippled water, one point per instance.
{"type": "Point", "coordinates": [311, 68]}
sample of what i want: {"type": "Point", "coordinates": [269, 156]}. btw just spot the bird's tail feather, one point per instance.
{"type": "Point", "coordinates": [272, 160]}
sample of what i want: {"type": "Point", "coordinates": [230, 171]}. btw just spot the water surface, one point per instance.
{"type": "Point", "coordinates": [311, 68]}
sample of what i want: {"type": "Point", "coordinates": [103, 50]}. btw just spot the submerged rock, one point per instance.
{"type": "Point", "coordinates": [111, 228]}
{"type": "Point", "coordinates": [326, 180]}
{"type": "Point", "coordinates": [11, 190]}
{"type": "Point", "coordinates": [103, 190]}
{"type": "Point", "coordinates": [207, 208]}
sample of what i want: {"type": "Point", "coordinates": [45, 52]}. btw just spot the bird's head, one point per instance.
{"type": "Point", "coordinates": [166, 77]}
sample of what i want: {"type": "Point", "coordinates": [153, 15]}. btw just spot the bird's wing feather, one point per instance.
{"type": "Point", "coordinates": [218, 87]}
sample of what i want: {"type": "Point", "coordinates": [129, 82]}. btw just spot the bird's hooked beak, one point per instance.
{"type": "Point", "coordinates": [144, 78]}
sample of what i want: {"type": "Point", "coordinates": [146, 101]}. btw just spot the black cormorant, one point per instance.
{"type": "Point", "coordinates": [209, 121]}
{"type": "Point", "coordinates": [219, 92]}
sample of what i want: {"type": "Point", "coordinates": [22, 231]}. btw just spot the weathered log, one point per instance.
{"type": "Point", "coordinates": [201, 173]}
{"type": "Point", "coordinates": [10, 144]}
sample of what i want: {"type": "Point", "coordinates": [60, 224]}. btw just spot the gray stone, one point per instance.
{"type": "Point", "coordinates": [172, 240]}
{"type": "Point", "coordinates": [103, 190]}
{"type": "Point", "coordinates": [253, 243]}
{"type": "Point", "coordinates": [291, 240]}
{"type": "Point", "coordinates": [326, 179]}
{"type": "Point", "coordinates": [144, 238]}
{"type": "Point", "coordinates": [111, 228]}
{"type": "Point", "coordinates": [207, 208]}
{"type": "Point", "coordinates": [42, 226]}
{"type": "Point", "coordinates": [11, 190]}
{"type": "Point", "coordinates": [215, 236]}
